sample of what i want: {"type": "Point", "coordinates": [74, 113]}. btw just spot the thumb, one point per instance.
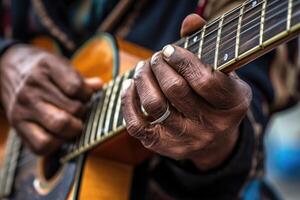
{"type": "Point", "coordinates": [190, 24]}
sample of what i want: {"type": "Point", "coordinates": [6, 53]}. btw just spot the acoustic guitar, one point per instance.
{"type": "Point", "coordinates": [99, 164]}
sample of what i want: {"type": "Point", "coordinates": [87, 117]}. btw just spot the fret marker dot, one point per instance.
{"type": "Point", "coordinates": [225, 57]}
{"type": "Point", "coordinates": [254, 3]}
{"type": "Point", "coordinates": [195, 39]}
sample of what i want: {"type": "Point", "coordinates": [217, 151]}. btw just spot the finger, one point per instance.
{"type": "Point", "coordinates": [94, 83]}
{"type": "Point", "coordinates": [220, 90]}
{"type": "Point", "coordinates": [68, 79]}
{"type": "Point", "coordinates": [57, 121]}
{"type": "Point", "coordinates": [135, 123]}
{"type": "Point", "coordinates": [38, 139]}
{"type": "Point", "coordinates": [150, 95]}
{"type": "Point", "coordinates": [53, 95]}
{"type": "Point", "coordinates": [191, 24]}
{"type": "Point", "coordinates": [176, 89]}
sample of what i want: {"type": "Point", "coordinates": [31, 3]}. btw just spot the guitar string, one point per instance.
{"type": "Point", "coordinates": [253, 14]}
{"type": "Point", "coordinates": [251, 9]}
{"type": "Point", "coordinates": [215, 30]}
{"type": "Point", "coordinates": [225, 24]}
{"type": "Point", "coordinates": [255, 25]}
{"type": "Point", "coordinates": [213, 39]}
{"type": "Point", "coordinates": [27, 153]}
{"type": "Point", "coordinates": [256, 37]}
{"type": "Point", "coordinates": [243, 32]}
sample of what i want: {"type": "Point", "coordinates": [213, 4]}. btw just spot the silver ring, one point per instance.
{"type": "Point", "coordinates": [163, 117]}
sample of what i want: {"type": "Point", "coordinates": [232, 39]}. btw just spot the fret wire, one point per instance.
{"type": "Point", "coordinates": [289, 16]}
{"type": "Point", "coordinates": [212, 23]}
{"type": "Point", "coordinates": [244, 19]}
{"type": "Point", "coordinates": [239, 32]}
{"type": "Point", "coordinates": [118, 106]}
{"type": "Point", "coordinates": [101, 121]}
{"type": "Point", "coordinates": [218, 42]}
{"type": "Point", "coordinates": [201, 42]}
{"type": "Point", "coordinates": [78, 142]}
{"type": "Point", "coordinates": [266, 19]}
{"type": "Point", "coordinates": [186, 42]}
{"type": "Point", "coordinates": [241, 6]}
{"type": "Point", "coordinates": [262, 23]}
{"type": "Point", "coordinates": [240, 16]}
{"type": "Point", "coordinates": [269, 29]}
{"type": "Point", "coordinates": [97, 116]}
{"type": "Point", "coordinates": [86, 135]}
{"type": "Point", "coordinates": [240, 23]}
{"type": "Point", "coordinates": [111, 104]}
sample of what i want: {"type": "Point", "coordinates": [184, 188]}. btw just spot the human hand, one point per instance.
{"type": "Point", "coordinates": [206, 106]}
{"type": "Point", "coordinates": [43, 96]}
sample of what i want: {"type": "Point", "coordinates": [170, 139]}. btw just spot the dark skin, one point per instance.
{"type": "Point", "coordinates": [43, 97]}
{"type": "Point", "coordinates": [44, 100]}
{"type": "Point", "coordinates": [206, 106]}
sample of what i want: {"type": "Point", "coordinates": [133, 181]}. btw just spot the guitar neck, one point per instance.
{"type": "Point", "coordinates": [226, 43]}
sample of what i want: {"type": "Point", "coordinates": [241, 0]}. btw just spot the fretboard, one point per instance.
{"type": "Point", "coordinates": [226, 43]}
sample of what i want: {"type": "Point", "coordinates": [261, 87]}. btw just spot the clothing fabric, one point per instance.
{"type": "Point", "coordinates": [161, 177]}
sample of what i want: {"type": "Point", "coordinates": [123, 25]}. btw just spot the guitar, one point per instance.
{"type": "Point", "coordinates": [99, 163]}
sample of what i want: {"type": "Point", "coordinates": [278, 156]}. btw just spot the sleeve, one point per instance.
{"type": "Point", "coordinates": [5, 44]}
{"type": "Point", "coordinates": [182, 180]}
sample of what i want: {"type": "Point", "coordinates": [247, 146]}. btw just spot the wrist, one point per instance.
{"type": "Point", "coordinates": [216, 154]}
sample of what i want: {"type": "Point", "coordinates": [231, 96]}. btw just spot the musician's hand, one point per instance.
{"type": "Point", "coordinates": [43, 96]}
{"type": "Point", "coordinates": [206, 107]}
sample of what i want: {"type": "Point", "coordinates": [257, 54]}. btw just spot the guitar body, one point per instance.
{"type": "Point", "coordinates": [106, 171]}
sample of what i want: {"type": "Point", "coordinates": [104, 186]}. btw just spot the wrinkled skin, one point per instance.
{"type": "Point", "coordinates": [43, 96]}
{"type": "Point", "coordinates": [206, 106]}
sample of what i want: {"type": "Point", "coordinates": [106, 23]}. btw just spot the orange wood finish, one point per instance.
{"type": "Point", "coordinates": [107, 173]}
{"type": "Point", "coordinates": [108, 170]}
{"type": "Point", "coordinates": [105, 179]}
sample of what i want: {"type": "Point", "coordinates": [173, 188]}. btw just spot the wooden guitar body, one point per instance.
{"type": "Point", "coordinates": [106, 171]}
{"type": "Point", "coordinates": [104, 156]}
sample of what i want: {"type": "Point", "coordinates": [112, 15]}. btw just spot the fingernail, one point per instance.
{"type": "Point", "coordinates": [126, 85]}
{"type": "Point", "coordinates": [168, 50]}
{"type": "Point", "coordinates": [154, 58]}
{"type": "Point", "coordinates": [138, 68]}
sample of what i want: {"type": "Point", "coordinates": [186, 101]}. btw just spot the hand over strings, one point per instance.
{"type": "Point", "coordinates": [179, 107]}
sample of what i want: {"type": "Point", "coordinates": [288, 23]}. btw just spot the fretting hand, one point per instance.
{"type": "Point", "coordinates": [43, 97]}
{"type": "Point", "coordinates": [196, 111]}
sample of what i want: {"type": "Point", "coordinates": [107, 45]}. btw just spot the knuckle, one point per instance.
{"type": "Point", "coordinates": [154, 105]}
{"type": "Point", "coordinates": [74, 86]}
{"type": "Point", "coordinates": [183, 66]}
{"type": "Point", "coordinates": [59, 122]}
{"type": "Point", "coordinates": [42, 145]}
{"type": "Point", "coordinates": [135, 129]}
{"type": "Point", "coordinates": [176, 86]}
{"type": "Point", "coordinates": [26, 95]}
{"type": "Point", "coordinates": [45, 59]}
{"type": "Point", "coordinates": [201, 80]}
{"type": "Point", "coordinates": [35, 77]}
{"type": "Point", "coordinates": [76, 107]}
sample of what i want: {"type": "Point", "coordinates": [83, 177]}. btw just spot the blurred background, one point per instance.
{"type": "Point", "coordinates": [283, 149]}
